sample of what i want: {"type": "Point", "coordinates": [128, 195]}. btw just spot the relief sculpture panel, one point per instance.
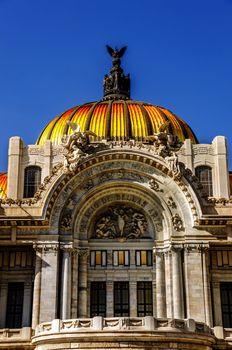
{"type": "Point", "coordinates": [120, 222]}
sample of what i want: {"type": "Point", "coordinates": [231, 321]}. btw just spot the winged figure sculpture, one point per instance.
{"type": "Point", "coordinates": [115, 53]}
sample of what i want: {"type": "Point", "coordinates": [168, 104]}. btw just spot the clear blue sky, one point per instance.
{"type": "Point", "coordinates": [53, 57]}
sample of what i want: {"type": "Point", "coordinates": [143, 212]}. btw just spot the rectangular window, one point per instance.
{"type": "Point", "coordinates": [121, 258]}
{"type": "Point", "coordinates": [143, 257]}
{"type": "Point", "coordinates": [144, 299]}
{"type": "Point", "coordinates": [14, 309]}
{"type": "Point", "coordinates": [98, 299]}
{"type": "Point", "coordinates": [98, 258]}
{"type": "Point", "coordinates": [121, 299]}
{"type": "Point", "coordinates": [226, 302]}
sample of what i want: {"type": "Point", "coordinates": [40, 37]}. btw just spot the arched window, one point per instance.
{"type": "Point", "coordinates": [32, 180]}
{"type": "Point", "coordinates": [204, 174]}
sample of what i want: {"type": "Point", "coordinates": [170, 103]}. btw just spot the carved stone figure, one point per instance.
{"type": "Point", "coordinates": [77, 146]}
{"type": "Point", "coordinates": [120, 222]}
{"type": "Point", "coordinates": [166, 145]}
{"type": "Point", "coordinates": [172, 161]}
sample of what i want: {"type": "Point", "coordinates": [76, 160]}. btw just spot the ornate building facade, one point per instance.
{"type": "Point", "coordinates": [116, 231]}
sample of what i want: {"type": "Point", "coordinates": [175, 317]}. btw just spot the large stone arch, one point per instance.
{"type": "Point", "coordinates": [125, 194]}
{"type": "Point", "coordinates": [175, 195]}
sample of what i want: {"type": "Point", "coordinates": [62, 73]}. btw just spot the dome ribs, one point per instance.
{"type": "Point", "coordinates": [157, 117]}
{"type": "Point", "coordinates": [148, 120]}
{"type": "Point", "coordinates": [3, 185]}
{"type": "Point", "coordinates": [89, 117]}
{"type": "Point", "coordinates": [128, 121]}
{"type": "Point", "coordinates": [117, 120]}
{"type": "Point", "coordinates": [45, 134]}
{"type": "Point", "coordinates": [98, 120]}
{"type": "Point", "coordinates": [70, 118]}
{"type": "Point", "coordinates": [108, 121]}
{"type": "Point", "coordinates": [58, 130]}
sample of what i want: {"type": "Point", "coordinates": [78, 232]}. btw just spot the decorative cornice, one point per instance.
{"type": "Point", "coordinates": [223, 201]}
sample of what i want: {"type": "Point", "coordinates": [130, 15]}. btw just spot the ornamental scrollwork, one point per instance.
{"type": "Point", "coordinates": [154, 185]}
{"type": "Point", "coordinates": [120, 222]}
{"type": "Point", "coordinates": [171, 203]}
{"type": "Point", "coordinates": [177, 222]}
{"type": "Point", "coordinates": [66, 222]}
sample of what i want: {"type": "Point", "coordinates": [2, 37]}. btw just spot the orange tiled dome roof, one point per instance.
{"type": "Point", "coordinates": [116, 120]}
{"type": "Point", "coordinates": [3, 185]}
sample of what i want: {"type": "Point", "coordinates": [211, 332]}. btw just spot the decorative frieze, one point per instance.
{"type": "Point", "coordinates": [46, 247]}
{"type": "Point", "coordinates": [99, 323]}
{"type": "Point", "coordinates": [222, 201]}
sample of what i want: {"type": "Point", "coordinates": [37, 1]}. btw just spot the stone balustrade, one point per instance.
{"type": "Point", "coordinates": [99, 323]}
{"type": "Point", "coordinates": [13, 334]}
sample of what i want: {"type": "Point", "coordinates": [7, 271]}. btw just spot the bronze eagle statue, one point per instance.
{"type": "Point", "coordinates": [115, 53]}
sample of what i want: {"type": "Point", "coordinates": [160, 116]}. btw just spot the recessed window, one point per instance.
{"type": "Point", "coordinates": [144, 299]}
{"type": "Point", "coordinates": [143, 257]}
{"type": "Point", "coordinates": [121, 258]}
{"type": "Point", "coordinates": [98, 258]}
{"type": "Point", "coordinates": [204, 174]}
{"type": "Point", "coordinates": [226, 303]}
{"type": "Point", "coordinates": [14, 307]}
{"type": "Point", "coordinates": [32, 180]}
{"type": "Point", "coordinates": [98, 299]}
{"type": "Point", "coordinates": [121, 299]}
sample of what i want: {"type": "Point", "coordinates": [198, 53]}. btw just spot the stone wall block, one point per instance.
{"type": "Point", "coordinates": [98, 323]}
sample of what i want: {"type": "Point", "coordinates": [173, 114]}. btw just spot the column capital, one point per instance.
{"type": "Point", "coordinates": [176, 248]}
{"type": "Point", "coordinates": [67, 248]}
{"type": "Point", "coordinates": [158, 251]}
{"type": "Point", "coordinates": [83, 252]}
{"type": "Point", "coordinates": [196, 248]}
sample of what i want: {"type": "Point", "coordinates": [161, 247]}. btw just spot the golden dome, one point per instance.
{"type": "Point", "coordinates": [3, 185]}
{"type": "Point", "coordinates": [116, 120]}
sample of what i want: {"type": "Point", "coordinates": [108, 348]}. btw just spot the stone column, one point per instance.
{"type": "Point", "coordinates": [66, 282]}
{"type": "Point", "coordinates": [3, 303]}
{"type": "Point", "coordinates": [207, 296]}
{"type": "Point", "coordinates": [47, 158]}
{"type": "Point", "coordinates": [14, 187]}
{"type": "Point", "coordinates": [177, 288]}
{"type": "Point", "coordinates": [37, 287]}
{"type": "Point", "coordinates": [160, 285]}
{"type": "Point", "coordinates": [26, 319]}
{"type": "Point", "coordinates": [217, 304]}
{"type": "Point", "coordinates": [189, 154]}
{"type": "Point", "coordinates": [168, 283]}
{"type": "Point", "coordinates": [194, 289]}
{"type": "Point", "coordinates": [83, 278]}
{"type": "Point", "coordinates": [49, 283]}
{"type": "Point", "coordinates": [109, 298]}
{"type": "Point", "coordinates": [74, 289]}
{"type": "Point", "coordinates": [220, 174]}
{"type": "Point", "coordinates": [133, 298]}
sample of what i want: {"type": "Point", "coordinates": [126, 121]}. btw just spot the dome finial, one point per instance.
{"type": "Point", "coordinates": [116, 84]}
